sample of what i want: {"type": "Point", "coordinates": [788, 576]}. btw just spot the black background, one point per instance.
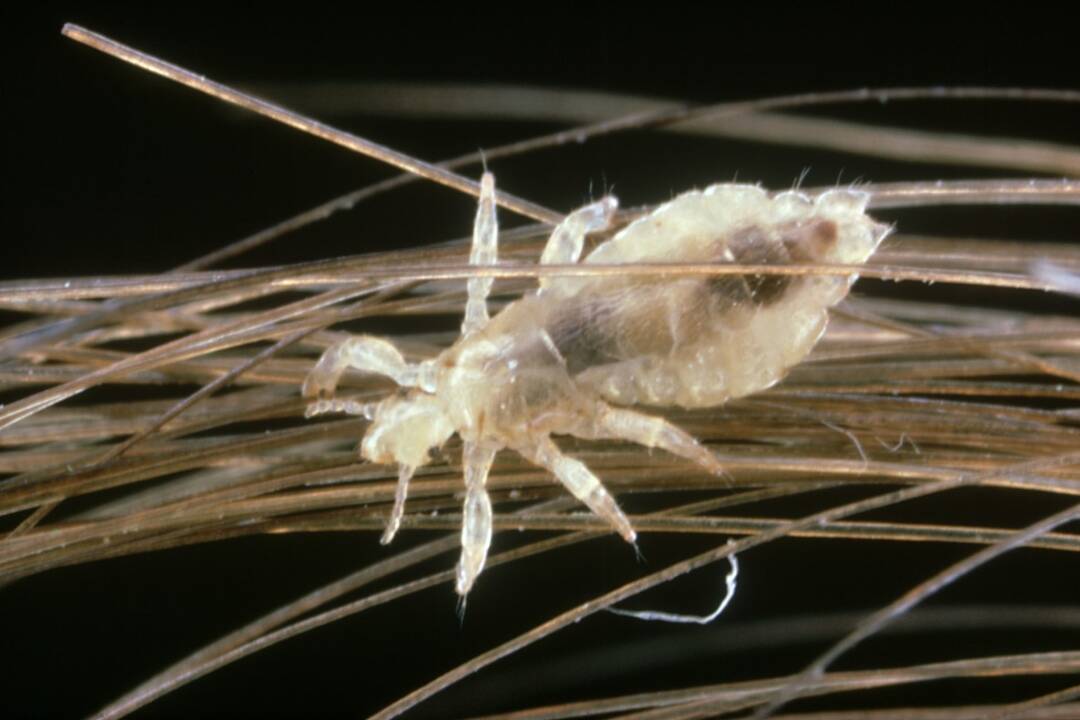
{"type": "Point", "coordinates": [111, 171]}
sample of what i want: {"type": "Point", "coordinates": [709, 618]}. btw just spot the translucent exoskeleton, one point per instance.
{"type": "Point", "coordinates": [566, 359]}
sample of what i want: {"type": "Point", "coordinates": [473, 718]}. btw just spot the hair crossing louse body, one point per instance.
{"type": "Point", "coordinates": [569, 358]}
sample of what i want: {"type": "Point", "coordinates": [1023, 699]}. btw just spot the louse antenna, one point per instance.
{"type": "Point", "coordinates": [304, 123]}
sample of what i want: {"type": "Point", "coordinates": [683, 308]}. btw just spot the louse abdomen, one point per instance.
{"type": "Point", "coordinates": [697, 342]}
{"type": "Point", "coordinates": [616, 320]}
{"type": "Point", "coordinates": [804, 241]}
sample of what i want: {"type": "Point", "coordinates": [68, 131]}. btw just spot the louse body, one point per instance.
{"type": "Point", "coordinates": [563, 360]}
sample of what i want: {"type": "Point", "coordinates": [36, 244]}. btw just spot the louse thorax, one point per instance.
{"type": "Point", "coordinates": [507, 381]}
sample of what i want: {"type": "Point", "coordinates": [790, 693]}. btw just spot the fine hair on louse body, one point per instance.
{"type": "Point", "coordinates": [562, 360]}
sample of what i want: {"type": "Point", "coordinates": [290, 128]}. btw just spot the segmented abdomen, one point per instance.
{"type": "Point", "coordinates": [698, 341]}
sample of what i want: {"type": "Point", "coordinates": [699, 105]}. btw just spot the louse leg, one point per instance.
{"type": "Point", "coordinates": [476, 526]}
{"type": "Point", "coordinates": [405, 474]}
{"type": "Point", "coordinates": [651, 431]}
{"type": "Point", "coordinates": [567, 240]}
{"type": "Point", "coordinates": [581, 483]}
{"type": "Point", "coordinates": [341, 405]}
{"type": "Point", "coordinates": [369, 354]}
{"type": "Point", "coordinates": [485, 249]}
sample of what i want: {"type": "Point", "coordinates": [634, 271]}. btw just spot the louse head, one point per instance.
{"type": "Point", "coordinates": [404, 428]}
